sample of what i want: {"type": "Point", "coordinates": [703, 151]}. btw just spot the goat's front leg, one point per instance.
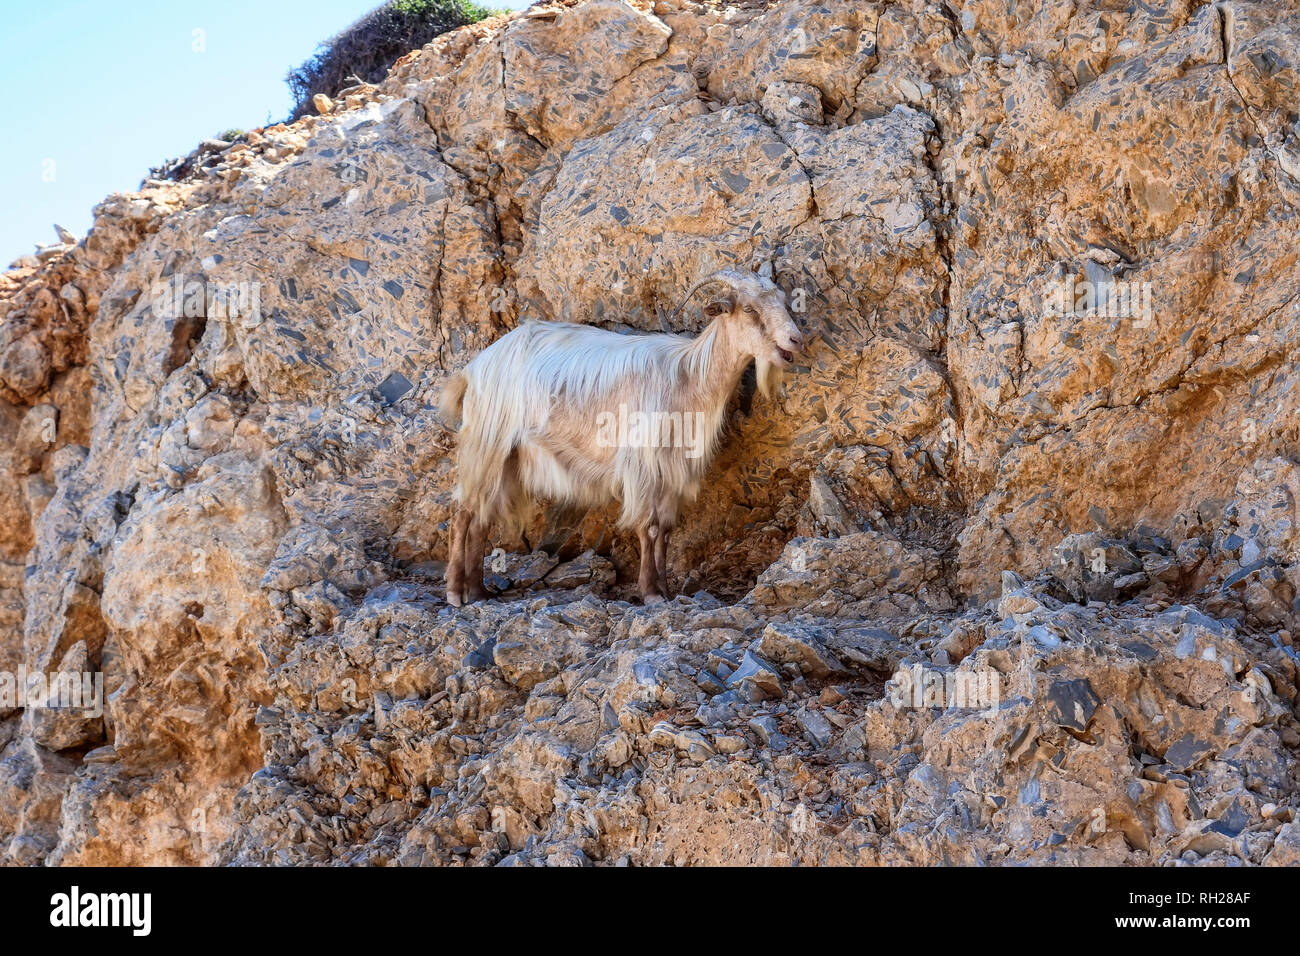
{"type": "Point", "coordinates": [648, 581]}
{"type": "Point", "coordinates": [661, 559]}
{"type": "Point", "coordinates": [456, 557]}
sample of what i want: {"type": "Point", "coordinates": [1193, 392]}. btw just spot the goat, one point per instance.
{"type": "Point", "coordinates": [535, 410]}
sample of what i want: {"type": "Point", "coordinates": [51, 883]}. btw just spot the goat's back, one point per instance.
{"type": "Point", "coordinates": [579, 362]}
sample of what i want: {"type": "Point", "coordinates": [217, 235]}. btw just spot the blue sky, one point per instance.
{"type": "Point", "coordinates": [101, 91]}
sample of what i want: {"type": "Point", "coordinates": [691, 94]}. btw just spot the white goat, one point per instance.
{"type": "Point", "coordinates": [536, 409]}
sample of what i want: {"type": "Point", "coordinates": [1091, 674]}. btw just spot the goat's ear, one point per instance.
{"type": "Point", "coordinates": [719, 306]}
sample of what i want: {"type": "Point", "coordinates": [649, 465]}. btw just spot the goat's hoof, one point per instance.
{"type": "Point", "coordinates": [650, 600]}
{"type": "Point", "coordinates": [454, 599]}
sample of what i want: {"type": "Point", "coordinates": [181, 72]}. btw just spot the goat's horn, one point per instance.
{"type": "Point", "coordinates": [725, 276]}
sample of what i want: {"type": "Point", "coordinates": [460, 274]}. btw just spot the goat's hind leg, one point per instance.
{"type": "Point", "coordinates": [472, 566]}
{"type": "Point", "coordinates": [460, 523]}
{"type": "Point", "coordinates": [480, 526]}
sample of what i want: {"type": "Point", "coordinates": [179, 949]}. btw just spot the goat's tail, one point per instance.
{"type": "Point", "coordinates": [482, 402]}
{"type": "Point", "coordinates": [452, 400]}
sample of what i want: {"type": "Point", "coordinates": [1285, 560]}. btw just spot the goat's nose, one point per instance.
{"type": "Point", "coordinates": [797, 342]}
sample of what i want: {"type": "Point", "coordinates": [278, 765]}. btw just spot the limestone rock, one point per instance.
{"type": "Point", "coordinates": [1007, 573]}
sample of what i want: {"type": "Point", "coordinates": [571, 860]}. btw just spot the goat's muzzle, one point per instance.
{"type": "Point", "coordinates": [794, 344]}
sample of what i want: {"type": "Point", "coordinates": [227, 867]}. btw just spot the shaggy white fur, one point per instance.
{"type": "Point", "coordinates": [531, 405]}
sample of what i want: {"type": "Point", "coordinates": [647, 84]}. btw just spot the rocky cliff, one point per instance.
{"type": "Point", "coordinates": [1008, 574]}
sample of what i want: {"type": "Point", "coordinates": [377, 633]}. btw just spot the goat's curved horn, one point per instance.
{"type": "Point", "coordinates": [724, 276]}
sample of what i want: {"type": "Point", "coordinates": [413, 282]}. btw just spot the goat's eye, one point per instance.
{"type": "Point", "coordinates": [749, 309]}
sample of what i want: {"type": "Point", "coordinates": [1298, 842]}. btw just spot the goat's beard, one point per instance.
{"type": "Point", "coordinates": [769, 377]}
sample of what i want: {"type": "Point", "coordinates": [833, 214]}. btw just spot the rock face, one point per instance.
{"type": "Point", "coordinates": [1007, 574]}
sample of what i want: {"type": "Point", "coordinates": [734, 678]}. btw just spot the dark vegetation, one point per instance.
{"type": "Point", "coordinates": [365, 51]}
